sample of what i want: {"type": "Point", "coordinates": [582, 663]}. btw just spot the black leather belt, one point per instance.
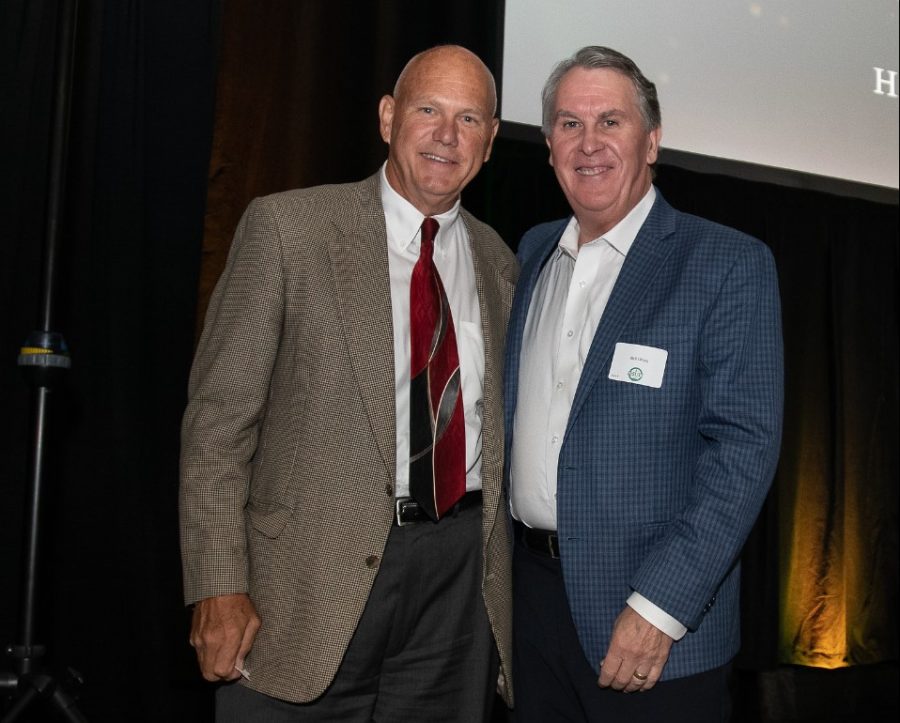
{"type": "Point", "coordinates": [407, 510]}
{"type": "Point", "coordinates": [543, 542]}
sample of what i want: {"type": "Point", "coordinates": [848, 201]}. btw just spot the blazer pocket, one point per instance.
{"type": "Point", "coordinates": [269, 519]}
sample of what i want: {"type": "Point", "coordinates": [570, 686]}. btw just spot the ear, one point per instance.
{"type": "Point", "coordinates": [386, 118]}
{"type": "Point", "coordinates": [495, 125]}
{"type": "Point", "coordinates": [549, 148]}
{"type": "Point", "coordinates": [654, 137]}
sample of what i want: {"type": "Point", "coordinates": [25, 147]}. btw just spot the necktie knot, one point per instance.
{"type": "Point", "coordinates": [430, 228]}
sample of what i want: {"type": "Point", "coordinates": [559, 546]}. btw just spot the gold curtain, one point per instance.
{"type": "Point", "coordinates": [837, 482]}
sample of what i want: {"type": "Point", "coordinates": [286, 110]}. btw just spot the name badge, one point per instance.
{"type": "Point", "coordinates": [636, 364]}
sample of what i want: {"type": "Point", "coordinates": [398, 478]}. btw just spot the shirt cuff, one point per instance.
{"type": "Point", "coordinates": [656, 616]}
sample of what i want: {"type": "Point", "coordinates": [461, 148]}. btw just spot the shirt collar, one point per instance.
{"type": "Point", "coordinates": [620, 236]}
{"type": "Point", "coordinates": [403, 221]}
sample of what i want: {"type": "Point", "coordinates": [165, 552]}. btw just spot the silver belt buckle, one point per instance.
{"type": "Point", "coordinates": [551, 548]}
{"type": "Point", "coordinates": [397, 504]}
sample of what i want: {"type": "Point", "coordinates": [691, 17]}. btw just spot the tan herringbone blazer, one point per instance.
{"type": "Point", "coordinates": [287, 467]}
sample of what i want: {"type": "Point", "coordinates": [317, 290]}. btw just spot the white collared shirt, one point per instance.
{"type": "Point", "coordinates": [453, 259]}
{"type": "Point", "coordinates": [565, 310]}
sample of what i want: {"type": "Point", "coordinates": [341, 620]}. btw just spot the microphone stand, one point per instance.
{"type": "Point", "coordinates": [44, 359]}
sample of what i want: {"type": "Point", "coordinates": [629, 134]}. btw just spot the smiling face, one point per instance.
{"type": "Point", "coordinates": [440, 127]}
{"type": "Point", "coordinates": [600, 148]}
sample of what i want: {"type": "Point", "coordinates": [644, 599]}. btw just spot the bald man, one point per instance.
{"type": "Point", "coordinates": [325, 586]}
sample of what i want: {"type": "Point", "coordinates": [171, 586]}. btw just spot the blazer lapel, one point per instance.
{"type": "Point", "coordinates": [359, 259]}
{"type": "Point", "coordinates": [518, 315]}
{"type": "Point", "coordinates": [645, 258]}
{"type": "Point", "coordinates": [488, 283]}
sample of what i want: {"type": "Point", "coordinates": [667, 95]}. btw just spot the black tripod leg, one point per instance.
{"type": "Point", "coordinates": [65, 704]}
{"type": "Point", "coordinates": [44, 358]}
{"type": "Point", "coordinates": [33, 688]}
{"type": "Point", "coordinates": [22, 702]}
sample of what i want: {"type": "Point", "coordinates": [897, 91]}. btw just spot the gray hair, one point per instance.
{"type": "Point", "coordinates": [593, 57]}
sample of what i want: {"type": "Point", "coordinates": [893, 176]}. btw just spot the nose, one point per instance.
{"type": "Point", "coordinates": [591, 140]}
{"type": "Point", "coordinates": [446, 132]}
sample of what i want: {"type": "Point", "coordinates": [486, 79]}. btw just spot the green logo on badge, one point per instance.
{"type": "Point", "coordinates": [635, 374]}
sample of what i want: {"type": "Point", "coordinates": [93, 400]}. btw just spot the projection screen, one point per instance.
{"type": "Point", "coordinates": [807, 86]}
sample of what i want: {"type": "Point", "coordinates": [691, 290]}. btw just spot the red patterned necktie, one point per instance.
{"type": "Point", "coordinates": [437, 435]}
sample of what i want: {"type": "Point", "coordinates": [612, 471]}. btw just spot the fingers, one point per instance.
{"type": "Point", "coordinates": [629, 676]}
{"type": "Point", "coordinates": [618, 677]}
{"type": "Point", "coordinates": [249, 636]}
{"type": "Point", "coordinates": [223, 629]}
{"type": "Point", "coordinates": [501, 684]}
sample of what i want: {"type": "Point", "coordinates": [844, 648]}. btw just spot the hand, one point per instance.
{"type": "Point", "coordinates": [636, 647]}
{"type": "Point", "coordinates": [223, 629]}
{"type": "Point", "coordinates": [501, 684]}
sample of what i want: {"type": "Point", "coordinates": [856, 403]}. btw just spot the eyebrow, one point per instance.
{"type": "Point", "coordinates": [438, 103]}
{"type": "Point", "coordinates": [601, 116]}
{"type": "Point", "coordinates": [428, 97]}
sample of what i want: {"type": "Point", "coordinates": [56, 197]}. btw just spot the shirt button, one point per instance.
{"type": "Point", "coordinates": [582, 284]}
{"type": "Point", "coordinates": [570, 333]}
{"type": "Point", "coordinates": [372, 561]}
{"type": "Point", "coordinates": [554, 439]}
{"type": "Point", "coordinates": [560, 384]}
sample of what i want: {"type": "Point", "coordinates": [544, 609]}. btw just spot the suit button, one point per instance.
{"type": "Point", "coordinates": [372, 561]}
{"type": "Point", "coordinates": [389, 490]}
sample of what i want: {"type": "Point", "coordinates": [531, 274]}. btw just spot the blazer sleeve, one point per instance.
{"type": "Point", "coordinates": [228, 389]}
{"type": "Point", "coordinates": [740, 384]}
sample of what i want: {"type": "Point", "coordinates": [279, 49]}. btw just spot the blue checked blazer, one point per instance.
{"type": "Point", "coordinates": [659, 488]}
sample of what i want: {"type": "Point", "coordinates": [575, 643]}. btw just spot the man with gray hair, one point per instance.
{"type": "Point", "coordinates": [643, 409]}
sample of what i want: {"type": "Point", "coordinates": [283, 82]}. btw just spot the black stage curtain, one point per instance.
{"type": "Point", "coordinates": [295, 100]}
{"type": "Point", "coordinates": [298, 91]}
{"type": "Point", "coordinates": [142, 108]}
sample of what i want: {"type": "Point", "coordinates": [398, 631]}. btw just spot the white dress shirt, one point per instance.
{"type": "Point", "coordinates": [565, 311]}
{"type": "Point", "coordinates": [453, 259]}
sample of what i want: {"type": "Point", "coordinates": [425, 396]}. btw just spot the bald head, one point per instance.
{"type": "Point", "coordinates": [440, 126]}
{"type": "Point", "coordinates": [450, 54]}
